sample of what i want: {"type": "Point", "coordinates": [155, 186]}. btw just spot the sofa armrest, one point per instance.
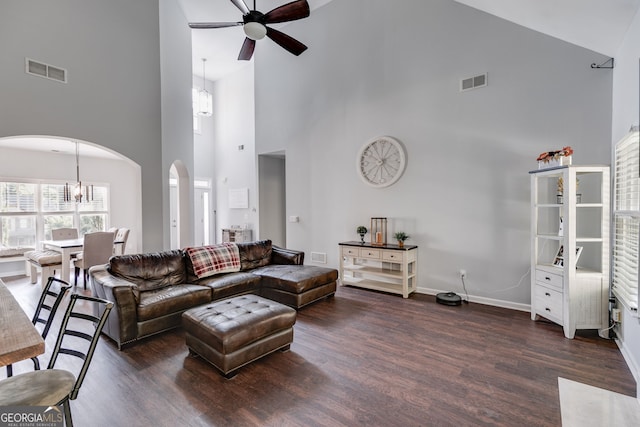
{"type": "Point", "coordinates": [122, 324]}
{"type": "Point", "coordinates": [286, 256]}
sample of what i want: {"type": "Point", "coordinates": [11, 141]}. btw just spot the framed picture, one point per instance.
{"type": "Point", "coordinates": [558, 260]}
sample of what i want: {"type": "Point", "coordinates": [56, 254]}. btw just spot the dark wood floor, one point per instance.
{"type": "Point", "coordinates": [361, 358]}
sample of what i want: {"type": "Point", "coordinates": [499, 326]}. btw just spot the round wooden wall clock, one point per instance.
{"type": "Point", "coordinates": [381, 161]}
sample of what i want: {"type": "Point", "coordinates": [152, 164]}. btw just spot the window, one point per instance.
{"type": "Point", "coordinates": [93, 214]}
{"type": "Point", "coordinates": [18, 214]}
{"type": "Point", "coordinates": [626, 219]}
{"type": "Point", "coordinates": [51, 222]}
{"type": "Point", "coordinates": [30, 210]}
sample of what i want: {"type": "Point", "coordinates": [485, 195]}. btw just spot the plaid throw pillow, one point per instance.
{"type": "Point", "coordinates": [215, 259]}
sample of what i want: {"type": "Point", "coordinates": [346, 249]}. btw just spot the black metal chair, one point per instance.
{"type": "Point", "coordinates": [54, 387]}
{"type": "Point", "coordinates": [45, 306]}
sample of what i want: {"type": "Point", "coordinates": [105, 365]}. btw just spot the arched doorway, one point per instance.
{"type": "Point", "coordinates": [179, 206]}
{"type": "Point", "coordinates": [51, 159]}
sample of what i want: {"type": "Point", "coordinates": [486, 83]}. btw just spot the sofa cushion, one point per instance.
{"type": "Point", "coordinates": [171, 299]}
{"type": "Point", "coordinates": [151, 270]}
{"type": "Point", "coordinates": [215, 259]}
{"type": "Point", "coordinates": [254, 254]}
{"type": "Point", "coordinates": [295, 278]}
{"type": "Point", "coordinates": [230, 284]}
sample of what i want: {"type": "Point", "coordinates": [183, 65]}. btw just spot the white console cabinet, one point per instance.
{"type": "Point", "coordinates": [570, 247]}
{"type": "Point", "coordinates": [237, 235]}
{"type": "Point", "coordinates": [387, 268]}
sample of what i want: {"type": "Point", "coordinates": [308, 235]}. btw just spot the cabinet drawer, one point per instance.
{"type": "Point", "coordinates": [349, 251]}
{"type": "Point", "coordinates": [392, 256]}
{"type": "Point", "coordinates": [551, 279]}
{"type": "Point", "coordinates": [370, 253]}
{"type": "Point", "coordinates": [548, 303]}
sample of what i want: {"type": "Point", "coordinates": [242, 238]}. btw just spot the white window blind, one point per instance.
{"type": "Point", "coordinates": [17, 197]}
{"type": "Point", "coordinates": [626, 217]}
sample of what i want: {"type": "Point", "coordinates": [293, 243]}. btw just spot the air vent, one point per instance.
{"type": "Point", "coordinates": [319, 257]}
{"type": "Point", "coordinates": [47, 71]}
{"type": "Point", "coordinates": [473, 82]}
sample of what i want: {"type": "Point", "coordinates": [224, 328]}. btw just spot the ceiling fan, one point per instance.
{"type": "Point", "coordinates": [255, 26]}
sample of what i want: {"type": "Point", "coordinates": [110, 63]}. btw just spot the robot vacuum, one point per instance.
{"type": "Point", "coordinates": [448, 298]}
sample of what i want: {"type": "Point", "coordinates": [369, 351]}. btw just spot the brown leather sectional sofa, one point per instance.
{"type": "Point", "coordinates": [152, 290]}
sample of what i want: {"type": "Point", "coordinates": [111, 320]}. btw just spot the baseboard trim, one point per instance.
{"type": "Point", "coordinates": [635, 370]}
{"type": "Point", "coordinates": [481, 300]}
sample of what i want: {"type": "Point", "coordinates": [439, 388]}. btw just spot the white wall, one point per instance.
{"type": "Point", "coordinates": [123, 178]}
{"type": "Point", "coordinates": [106, 47]}
{"type": "Point", "coordinates": [204, 158]}
{"type": "Point", "coordinates": [626, 100]}
{"type": "Point", "coordinates": [464, 198]}
{"type": "Point", "coordinates": [233, 99]}
{"type": "Point", "coordinates": [177, 124]}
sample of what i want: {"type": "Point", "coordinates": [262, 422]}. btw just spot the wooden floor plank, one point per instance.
{"type": "Point", "coordinates": [361, 358]}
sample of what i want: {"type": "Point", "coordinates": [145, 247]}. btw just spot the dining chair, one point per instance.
{"type": "Point", "coordinates": [50, 299]}
{"type": "Point", "coordinates": [68, 233]}
{"type": "Point", "coordinates": [120, 241]}
{"type": "Point", "coordinates": [98, 248]}
{"type": "Point", "coordinates": [51, 386]}
{"type": "Point", "coordinates": [64, 233]}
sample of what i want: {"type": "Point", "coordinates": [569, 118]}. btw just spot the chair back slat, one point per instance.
{"type": "Point", "coordinates": [85, 316]}
{"type": "Point", "coordinates": [79, 334]}
{"type": "Point", "coordinates": [72, 352]}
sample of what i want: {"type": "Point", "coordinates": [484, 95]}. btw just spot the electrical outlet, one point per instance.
{"type": "Point", "coordinates": [616, 315]}
{"type": "Point", "coordinates": [462, 273]}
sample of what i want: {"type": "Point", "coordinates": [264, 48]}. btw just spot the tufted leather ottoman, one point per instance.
{"type": "Point", "coordinates": [235, 331]}
{"type": "Point", "coordinates": [297, 285]}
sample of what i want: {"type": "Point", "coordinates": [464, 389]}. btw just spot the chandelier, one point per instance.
{"type": "Point", "coordinates": [75, 193]}
{"type": "Point", "coordinates": [202, 100]}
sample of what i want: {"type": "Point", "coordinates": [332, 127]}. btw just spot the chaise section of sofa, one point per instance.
{"type": "Point", "coordinates": [152, 290]}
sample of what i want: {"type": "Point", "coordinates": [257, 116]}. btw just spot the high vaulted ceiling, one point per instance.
{"type": "Point", "coordinates": [599, 25]}
{"type": "Point", "coordinates": [593, 24]}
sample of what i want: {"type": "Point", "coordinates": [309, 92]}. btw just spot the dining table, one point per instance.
{"type": "Point", "coordinates": [67, 248]}
{"type": "Point", "coordinates": [19, 338]}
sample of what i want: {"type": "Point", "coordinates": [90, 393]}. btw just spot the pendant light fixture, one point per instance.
{"type": "Point", "coordinates": [202, 100]}
{"type": "Point", "coordinates": [76, 193]}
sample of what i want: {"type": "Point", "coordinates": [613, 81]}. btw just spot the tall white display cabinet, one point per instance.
{"type": "Point", "coordinates": [570, 247]}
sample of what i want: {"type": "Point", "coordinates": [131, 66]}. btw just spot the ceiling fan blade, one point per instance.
{"type": "Point", "coordinates": [289, 12]}
{"type": "Point", "coordinates": [247, 49]}
{"type": "Point", "coordinates": [206, 25]}
{"type": "Point", "coordinates": [287, 42]}
{"type": "Point", "coordinates": [240, 4]}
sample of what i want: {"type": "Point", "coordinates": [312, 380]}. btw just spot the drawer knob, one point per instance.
{"type": "Point", "coordinates": [547, 278]}
{"type": "Point", "coordinates": [548, 309]}
{"type": "Point", "coordinates": [547, 294]}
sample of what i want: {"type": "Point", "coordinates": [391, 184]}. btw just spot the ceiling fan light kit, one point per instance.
{"type": "Point", "coordinates": [254, 24]}
{"type": "Point", "coordinates": [255, 30]}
